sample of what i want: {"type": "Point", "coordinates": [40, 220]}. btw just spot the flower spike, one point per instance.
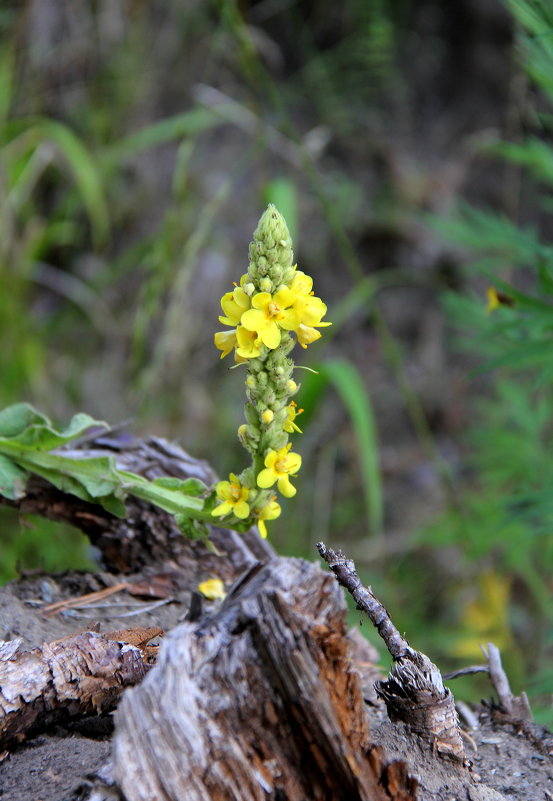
{"type": "Point", "coordinates": [272, 309]}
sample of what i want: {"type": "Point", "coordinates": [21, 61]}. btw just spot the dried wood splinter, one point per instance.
{"type": "Point", "coordinates": [414, 692]}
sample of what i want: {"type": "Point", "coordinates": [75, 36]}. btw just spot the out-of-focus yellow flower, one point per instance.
{"type": "Point", "coordinates": [290, 426]}
{"type": "Point", "coordinates": [213, 589]}
{"type": "Point", "coordinates": [497, 299]}
{"type": "Point", "coordinates": [493, 300]}
{"type": "Point", "coordinates": [269, 314]}
{"type": "Point", "coordinates": [225, 341]}
{"type": "Point", "coordinates": [269, 512]}
{"type": "Point", "coordinates": [234, 498]}
{"type": "Point", "coordinates": [486, 617]}
{"type": "Point", "coordinates": [279, 466]}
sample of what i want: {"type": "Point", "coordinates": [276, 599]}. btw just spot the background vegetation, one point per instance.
{"type": "Point", "coordinates": [139, 143]}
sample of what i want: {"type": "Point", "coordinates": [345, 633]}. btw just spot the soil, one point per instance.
{"type": "Point", "coordinates": [60, 764]}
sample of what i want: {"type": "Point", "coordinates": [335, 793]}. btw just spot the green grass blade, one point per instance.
{"type": "Point", "coordinates": [190, 123]}
{"type": "Point", "coordinates": [350, 387]}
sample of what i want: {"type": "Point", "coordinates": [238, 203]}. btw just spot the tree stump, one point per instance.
{"type": "Point", "coordinates": [260, 701]}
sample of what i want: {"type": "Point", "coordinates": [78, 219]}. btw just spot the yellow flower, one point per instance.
{"type": "Point", "coordinates": [269, 512]}
{"type": "Point", "coordinates": [301, 284]}
{"type": "Point", "coordinates": [212, 589]}
{"type": "Point", "coordinates": [290, 426]}
{"type": "Point", "coordinates": [233, 496]}
{"type": "Point", "coordinates": [497, 299]}
{"type": "Point", "coordinates": [270, 313]}
{"type": "Point", "coordinates": [309, 309]}
{"type": "Point", "coordinates": [225, 341]}
{"type": "Point", "coordinates": [234, 304]}
{"type": "Point", "coordinates": [279, 466]}
{"type": "Point", "coordinates": [249, 343]}
{"type": "Point", "coordinates": [493, 300]}
{"type": "Point", "coordinates": [306, 334]}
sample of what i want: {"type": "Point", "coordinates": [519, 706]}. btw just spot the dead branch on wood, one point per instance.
{"type": "Point", "coordinates": [512, 708]}
{"type": "Point", "coordinates": [259, 702]}
{"type": "Point", "coordinates": [414, 692]}
{"type": "Point", "coordinates": [78, 675]}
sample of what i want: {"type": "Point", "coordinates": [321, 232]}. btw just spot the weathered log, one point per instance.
{"type": "Point", "coordinates": [261, 701]}
{"type": "Point", "coordinates": [79, 675]}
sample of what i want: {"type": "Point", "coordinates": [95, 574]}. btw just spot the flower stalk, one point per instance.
{"type": "Point", "coordinates": [273, 308]}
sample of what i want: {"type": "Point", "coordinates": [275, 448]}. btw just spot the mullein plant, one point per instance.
{"type": "Point", "coordinates": [271, 309]}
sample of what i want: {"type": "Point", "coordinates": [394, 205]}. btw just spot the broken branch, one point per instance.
{"type": "Point", "coordinates": [414, 692]}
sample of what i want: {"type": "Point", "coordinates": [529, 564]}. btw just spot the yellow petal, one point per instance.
{"type": "Point", "coordinates": [212, 589]}
{"type": "Point", "coordinates": [261, 300]}
{"type": "Point", "coordinates": [223, 509]}
{"type": "Point", "coordinates": [266, 478]}
{"type": "Point", "coordinates": [241, 510]}
{"type": "Point", "coordinates": [286, 487]}
{"type": "Point", "coordinates": [270, 335]}
{"type": "Point", "coordinates": [253, 320]}
{"type": "Point", "coordinates": [284, 298]}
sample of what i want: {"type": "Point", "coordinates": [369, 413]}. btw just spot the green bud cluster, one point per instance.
{"type": "Point", "coordinates": [271, 254]}
{"type": "Point", "coordinates": [269, 384]}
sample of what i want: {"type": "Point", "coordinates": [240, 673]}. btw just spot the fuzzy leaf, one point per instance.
{"type": "Point", "coordinates": [12, 479]}
{"type": "Point", "coordinates": [15, 419]}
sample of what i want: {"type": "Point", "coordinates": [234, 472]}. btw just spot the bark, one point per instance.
{"type": "Point", "coordinates": [79, 675]}
{"type": "Point", "coordinates": [261, 701]}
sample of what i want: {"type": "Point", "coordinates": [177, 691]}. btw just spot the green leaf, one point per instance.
{"type": "Point", "coordinates": [15, 419]}
{"type": "Point", "coordinates": [77, 157]}
{"type": "Point", "coordinates": [352, 391]}
{"type": "Point", "coordinates": [13, 479]}
{"type": "Point", "coordinates": [95, 475]}
{"type": "Point", "coordinates": [193, 486]}
{"type": "Point", "coordinates": [44, 437]}
{"type": "Point", "coordinates": [189, 486]}
{"type": "Point", "coordinates": [193, 529]}
{"type": "Point", "coordinates": [545, 278]}
{"type": "Point", "coordinates": [189, 123]}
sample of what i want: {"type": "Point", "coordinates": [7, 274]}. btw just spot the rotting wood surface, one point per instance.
{"type": "Point", "coordinates": [265, 689]}
{"type": "Point", "coordinates": [259, 702]}
{"type": "Point", "coordinates": [76, 676]}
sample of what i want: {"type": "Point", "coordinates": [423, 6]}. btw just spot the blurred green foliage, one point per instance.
{"type": "Point", "coordinates": [503, 533]}
{"type": "Point", "coordinates": [136, 150]}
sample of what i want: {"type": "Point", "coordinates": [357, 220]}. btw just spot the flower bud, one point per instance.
{"type": "Point", "coordinates": [265, 284]}
{"type": "Point", "coordinates": [267, 416]}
